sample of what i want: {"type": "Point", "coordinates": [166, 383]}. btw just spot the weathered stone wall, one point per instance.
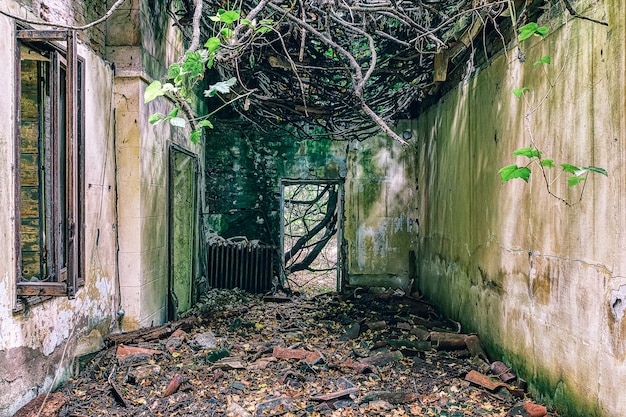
{"type": "Point", "coordinates": [142, 42]}
{"type": "Point", "coordinates": [541, 282]}
{"type": "Point", "coordinates": [37, 345]}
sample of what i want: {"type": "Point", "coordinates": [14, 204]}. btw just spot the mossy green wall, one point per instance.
{"type": "Point", "coordinates": [244, 168]}
{"type": "Point", "coordinates": [539, 281]}
{"type": "Point", "coordinates": [243, 172]}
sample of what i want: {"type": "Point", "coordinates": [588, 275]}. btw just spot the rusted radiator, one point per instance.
{"type": "Point", "coordinates": [237, 266]}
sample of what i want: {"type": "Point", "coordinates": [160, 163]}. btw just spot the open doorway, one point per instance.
{"type": "Point", "coordinates": [312, 235]}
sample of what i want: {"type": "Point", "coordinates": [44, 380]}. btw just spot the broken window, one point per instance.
{"type": "Point", "coordinates": [48, 130]}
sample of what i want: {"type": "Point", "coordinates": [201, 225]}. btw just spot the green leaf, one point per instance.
{"type": "Point", "coordinates": [193, 64]}
{"type": "Point", "coordinates": [264, 29]}
{"type": "Point", "coordinates": [545, 60]}
{"type": "Point", "coordinates": [178, 122]}
{"type": "Point", "coordinates": [154, 90]}
{"type": "Point", "coordinates": [212, 44]}
{"type": "Point", "coordinates": [597, 170]}
{"type": "Point", "coordinates": [570, 168]}
{"type": "Point", "coordinates": [173, 71]}
{"type": "Point", "coordinates": [155, 118]}
{"type": "Point", "coordinates": [226, 32]}
{"type": "Point", "coordinates": [513, 171]}
{"type": "Point", "coordinates": [245, 21]}
{"type": "Point", "coordinates": [195, 136]}
{"type": "Point", "coordinates": [527, 152]}
{"type": "Point", "coordinates": [572, 181]}
{"type": "Point", "coordinates": [206, 123]}
{"type": "Point", "coordinates": [519, 91]}
{"type": "Point", "coordinates": [547, 163]}
{"type": "Point", "coordinates": [542, 31]}
{"type": "Point", "coordinates": [531, 29]}
{"type": "Point", "coordinates": [221, 87]}
{"type": "Point", "coordinates": [229, 16]}
{"type": "Point", "coordinates": [173, 113]}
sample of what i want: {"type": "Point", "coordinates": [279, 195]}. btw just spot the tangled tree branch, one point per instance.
{"type": "Point", "coordinates": [344, 69]}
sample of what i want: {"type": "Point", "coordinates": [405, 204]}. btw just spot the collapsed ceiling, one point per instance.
{"type": "Point", "coordinates": [343, 69]}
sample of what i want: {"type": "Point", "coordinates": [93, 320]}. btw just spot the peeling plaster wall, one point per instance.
{"type": "Point", "coordinates": [37, 346]}
{"type": "Point", "coordinates": [542, 283]}
{"type": "Point", "coordinates": [142, 41]}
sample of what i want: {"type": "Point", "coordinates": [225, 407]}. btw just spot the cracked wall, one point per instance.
{"type": "Point", "coordinates": [542, 283]}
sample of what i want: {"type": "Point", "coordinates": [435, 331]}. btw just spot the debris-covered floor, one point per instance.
{"type": "Point", "coordinates": [239, 354]}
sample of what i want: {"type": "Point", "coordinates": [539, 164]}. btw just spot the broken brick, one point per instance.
{"type": "Point", "coordinates": [133, 353]}
{"type": "Point", "coordinates": [173, 386]}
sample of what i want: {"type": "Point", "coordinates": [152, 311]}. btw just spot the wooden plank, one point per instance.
{"type": "Point", "coordinates": [42, 35]}
{"type": "Point", "coordinates": [41, 288]}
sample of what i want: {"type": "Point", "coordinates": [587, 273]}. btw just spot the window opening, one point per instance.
{"type": "Point", "coordinates": [311, 233]}
{"type": "Point", "coordinates": [49, 94]}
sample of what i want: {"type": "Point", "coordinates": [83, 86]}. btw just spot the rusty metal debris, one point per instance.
{"type": "Point", "coordinates": [268, 358]}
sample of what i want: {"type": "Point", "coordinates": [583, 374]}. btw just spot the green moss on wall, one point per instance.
{"type": "Point", "coordinates": [243, 171]}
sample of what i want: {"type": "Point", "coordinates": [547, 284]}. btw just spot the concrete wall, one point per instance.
{"type": "Point", "coordinates": [541, 282]}
{"type": "Point", "coordinates": [37, 345]}
{"type": "Point", "coordinates": [142, 41]}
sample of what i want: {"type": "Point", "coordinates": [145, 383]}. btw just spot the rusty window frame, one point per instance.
{"type": "Point", "coordinates": [64, 280]}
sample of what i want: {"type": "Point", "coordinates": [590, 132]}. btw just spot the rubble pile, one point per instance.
{"type": "Point", "coordinates": [361, 353]}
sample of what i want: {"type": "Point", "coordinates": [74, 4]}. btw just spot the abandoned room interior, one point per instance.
{"type": "Point", "coordinates": [352, 207]}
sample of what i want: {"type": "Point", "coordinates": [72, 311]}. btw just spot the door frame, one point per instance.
{"type": "Point", "coordinates": [341, 252]}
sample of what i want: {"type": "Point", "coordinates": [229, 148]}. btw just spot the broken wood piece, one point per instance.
{"type": "Point", "coordinates": [476, 347]}
{"type": "Point", "coordinates": [502, 371]}
{"type": "Point", "coordinates": [448, 341]}
{"type": "Point", "coordinates": [51, 403]}
{"type": "Point", "coordinates": [173, 386]}
{"type": "Point", "coordinates": [336, 394]}
{"type": "Point", "coordinates": [417, 345]}
{"type": "Point", "coordinates": [118, 394]}
{"type": "Point", "coordinates": [401, 397]}
{"type": "Point", "coordinates": [152, 333]}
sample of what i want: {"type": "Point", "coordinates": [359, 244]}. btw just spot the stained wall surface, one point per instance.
{"type": "Point", "coordinates": [38, 343]}
{"type": "Point", "coordinates": [543, 283]}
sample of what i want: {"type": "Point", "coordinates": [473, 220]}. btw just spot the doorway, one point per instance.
{"type": "Point", "coordinates": [312, 235]}
{"type": "Point", "coordinates": [182, 226]}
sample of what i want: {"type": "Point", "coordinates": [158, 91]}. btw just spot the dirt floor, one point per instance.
{"type": "Point", "coordinates": [237, 354]}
